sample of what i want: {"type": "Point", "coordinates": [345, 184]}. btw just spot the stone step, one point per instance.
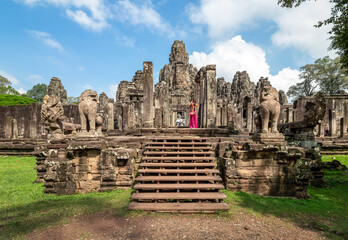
{"type": "Point", "coordinates": [178, 178]}
{"type": "Point", "coordinates": [179, 207]}
{"type": "Point", "coordinates": [177, 143]}
{"type": "Point", "coordinates": [177, 153]}
{"type": "Point", "coordinates": [178, 138]}
{"type": "Point", "coordinates": [179, 148]}
{"type": "Point", "coordinates": [179, 171]}
{"type": "Point", "coordinates": [179, 196]}
{"type": "Point", "coordinates": [194, 186]}
{"type": "Point", "coordinates": [177, 165]}
{"type": "Point", "coordinates": [179, 158]}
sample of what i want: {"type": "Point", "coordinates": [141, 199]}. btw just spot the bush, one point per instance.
{"type": "Point", "coordinates": [9, 100]}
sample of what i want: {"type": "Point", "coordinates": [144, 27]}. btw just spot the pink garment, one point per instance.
{"type": "Point", "coordinates": [193, 121]}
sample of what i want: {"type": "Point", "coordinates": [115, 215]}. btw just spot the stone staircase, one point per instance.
{"type": "Point", "coordinates": [178, 175]}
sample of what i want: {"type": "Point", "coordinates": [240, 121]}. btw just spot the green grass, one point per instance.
{"type": "Point", "coordinates": [343, 159]}
{"type": "Point", "coordinates": [8, 100]}
{"type": "Point", "coordinates": [24, 207]}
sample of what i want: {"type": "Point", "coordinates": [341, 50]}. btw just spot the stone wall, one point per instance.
{"type": "Point", "coordinates": [28, 120]}
{"type": "Point", "coordinates": [86, 165]}
{"type": "Point", "coordinates": [271, 170]}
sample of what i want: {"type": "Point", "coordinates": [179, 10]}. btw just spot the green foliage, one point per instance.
{"type": "Point", "coordinates": [339, 21]}
{"type": "Point", "coordinates": [38, 92]}
{"type": "Point", "coordinates": [24, 207]}
{"type": "Point", "coordinates": [6, 88]}
{"type": "Point", "coordinates": [73, 100]}
{"type": "Point", "coordinates": [9, 100]}
{"type": "Point", "coordinates": [325, 72]}
{"type": "Point", "coordinates": [330, 75]}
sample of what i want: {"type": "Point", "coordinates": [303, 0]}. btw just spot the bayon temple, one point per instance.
{"type": "Point", "coordinates": [249, 137]}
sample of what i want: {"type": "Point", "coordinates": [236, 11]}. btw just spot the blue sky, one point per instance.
{"type": "Point", "coordinates": [98, 43]}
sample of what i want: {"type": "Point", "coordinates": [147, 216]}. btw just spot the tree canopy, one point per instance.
{"type": "Point", "coordinates": [325, 74]}
{"type": "Point", "coordinates": [339, 21]}
{"type": "Point", "coordinates": [6, 88]}
{"type": "Point", "coordinates": [37, 92]}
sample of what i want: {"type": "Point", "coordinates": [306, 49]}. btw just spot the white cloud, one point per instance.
{"type": "Point", "coordinates": [142, 15]}
{"type": "Point", "coordinates": [224, 18]}
{"type": "Point", "coordinates": [16, 84]}
{"type": "Point", "coordinates": [124, 40]}
{"type": "Point", "coordinates": [87, 86]}
{"type": "Point", "coordinates": [112, 90]}
{"type": "Point", "coordinates": [86, 21]}
{"type": "Point", "coordinates": [46, 39]}
{"type": "Point", "coordinates": [237, 55]}
{"type": "Point", "coordinates": [234, 55]}
{"type": "Point", "coordinates": [21, 90]}
{"type": "Point", "coordinates": [97, 20]}
{"type": "Point", "coordinates": [35, 78]}
{"type": "Point", "coordinates": [296, 28]}
{"type": "Point", "coordinates": [285, 78]}
{"type": "Point", "coordinates": [11, 78]}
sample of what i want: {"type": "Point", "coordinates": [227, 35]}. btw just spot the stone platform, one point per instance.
{"type": "Point", "coordinates": [175, 131]}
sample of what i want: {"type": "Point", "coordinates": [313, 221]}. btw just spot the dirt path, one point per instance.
{"type": "Point", "coordinates": [174, 226]}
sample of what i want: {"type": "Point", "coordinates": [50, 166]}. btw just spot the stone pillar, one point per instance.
{"type": "Point", "coordinates": [148, 94]}
{"type": "Point", "coordinates": [211, 96]}
{"type": "Point", "coordinates": [14, 129]}
{"type": "Point", "coordinates": [321, 129]}
{"type": "Point", "coordinates": [249, 116]}
{"type": "Point", "coordinates": [333, 123]}
{"type": "Point", "coordinates": [290, 115]}
{"type": "Point", "coordinates": [8, 127]}
{"type": "Point", "coordinates": [110, 115]}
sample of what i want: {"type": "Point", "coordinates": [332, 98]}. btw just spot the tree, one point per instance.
{"type": "Point", "coordinates": [38, 92]}
{"type": "Point", "coordinates": [73, 100]}
{"type": "Point", "coordinates": [6, 88]}
{"type": "Point", "coordinates": [331, 75]}
{"type": "Point", "coordinates": [326, 73]}
{"type": "Point", "coordinates": [309, 84]}
{"type": "Point", "coordinates": [339, 31]}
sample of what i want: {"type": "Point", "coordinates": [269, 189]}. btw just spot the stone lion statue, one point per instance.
{"type": "Point", "coordinates": [51, 112]}
{"type": "Point", "coordinates": [269, 109]}
{"type": "Point", "coordinates": [88, 106]}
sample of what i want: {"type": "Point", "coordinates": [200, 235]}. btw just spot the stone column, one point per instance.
{"type": "Point", "coordinates": [148, 94]}
{"type": "Point", "coordinates": [249, 116]}
{"type": "Point", "coordinates": [110, 115]}
{"type": "Point", "coordinates": [333, 123]}
{"type": "Point", "coordinates": [8, 127]}
{"type": "Point", "coordinates": [211, 96]}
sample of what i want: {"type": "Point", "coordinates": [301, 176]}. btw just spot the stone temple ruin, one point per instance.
{"type": "Point", "coordinates": [249, 138]}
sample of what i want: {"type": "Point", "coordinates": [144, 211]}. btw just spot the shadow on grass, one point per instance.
{"type": "Point", "coordinates": [17, 221]}
{"type": "Point", "coordinates": [325, 211]}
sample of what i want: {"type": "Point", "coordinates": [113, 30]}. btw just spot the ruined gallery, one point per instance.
{"type": "Point", "coordinates": [248, 137]}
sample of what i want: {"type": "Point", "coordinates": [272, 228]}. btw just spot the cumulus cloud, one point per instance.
{"type": "Point", "coordinates": [46, 39]}
{"type": "Point", "coordinates": [143, 14]}
{"type": "Point", "coordinates": [234, 55]}
{"type": "Point", "coordinates": [225, 18]}
{"type": "Point", "coordinates": [237, 55]}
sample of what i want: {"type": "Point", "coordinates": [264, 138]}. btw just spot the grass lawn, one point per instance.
{"type": "Point", "coordinates": [25, 208]}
